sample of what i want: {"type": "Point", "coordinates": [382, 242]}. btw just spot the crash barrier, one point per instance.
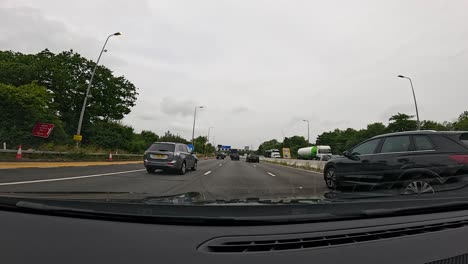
{"type": "Point", "coordinates": [315, 165]}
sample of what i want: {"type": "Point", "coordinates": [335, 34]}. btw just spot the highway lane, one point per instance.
{"type": "Point", "coordinates": [215, 179]}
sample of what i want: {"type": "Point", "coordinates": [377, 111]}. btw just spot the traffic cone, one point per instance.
{"type": "Point", "coordinates": [19, 154]}
{"type": "Point", "coordinates": [110, 156]}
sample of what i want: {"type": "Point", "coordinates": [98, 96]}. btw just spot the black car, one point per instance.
{"type": "Point", "coordinates": [412, 162]}
{"type": "Point", "coordinates": [220, 155]}
{"type": "Point", "coordinates": [169, 156]}
{"type": "Point", "coordinates": [234, 156]}
{"type": "Point", "coordinates": [253, 158]}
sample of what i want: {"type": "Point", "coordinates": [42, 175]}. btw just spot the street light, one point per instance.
{"type": "Point", "coordinates": [193, 129]}
{"type": "Point", "coordinates": [414, 96]}
{"type": "Point", "coordinates": [308, 131]}
{"type": "Point", "coordinates": [208, 138]}
{"type": "Point", "coordinates": [209, 134]}
{"type": "Point", "coordinates": [78, 130]}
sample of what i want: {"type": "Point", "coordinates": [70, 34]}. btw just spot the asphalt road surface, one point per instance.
{"type": "Point", "coordinates": [215, 179]}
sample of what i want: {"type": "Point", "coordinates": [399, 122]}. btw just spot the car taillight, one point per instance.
{"type": "Point", "coordinates": [462, 159]}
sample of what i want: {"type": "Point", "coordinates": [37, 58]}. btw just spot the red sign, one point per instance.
{"type": "Point", "coordinates": [42, 130]}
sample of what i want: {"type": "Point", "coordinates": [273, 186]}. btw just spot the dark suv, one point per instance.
{"type": "Point", "coordinates": [169, 156]}
{"type": "Point", "coordinates": [412, 162]}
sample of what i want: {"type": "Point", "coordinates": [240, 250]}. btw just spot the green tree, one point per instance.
{"type": "Point", "coordinates": [21, 107]}
{"type": "Point", "coordinates": [66, 75]}
{"type": "Point", "coordinates": [433, 125]}
{"type": "Point", "coordinates": [401, 122]}
{"type": "Point", "coordinates": [462, 122]}
{"type": "Point", "coordinates": [111, 135]}
{"type": "Point", "coordinates": [169, 137]}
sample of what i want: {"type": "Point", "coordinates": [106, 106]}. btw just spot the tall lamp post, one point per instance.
{"type": "Point", "coordinates": [80, 122]}
{"type": "Point", "coordinates": [193, 129]}
{"type": "Point", "coordinates": [308, 131]}
{"type": "Point", "coordinates": [414, 97]}
{"type": "Point", "coordinates": [208, 138]}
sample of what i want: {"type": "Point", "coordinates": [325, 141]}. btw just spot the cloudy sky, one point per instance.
{"type": "Point", "coordinates": [261, 66]}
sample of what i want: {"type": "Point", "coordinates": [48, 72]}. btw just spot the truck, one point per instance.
{"type": "Point", "coordinates": [315, 152]}
{"type": "Point", "coordinates": [272, 153]}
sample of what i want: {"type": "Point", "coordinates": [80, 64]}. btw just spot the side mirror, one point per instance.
{"type": "Point", "coordinates": [346, 153]}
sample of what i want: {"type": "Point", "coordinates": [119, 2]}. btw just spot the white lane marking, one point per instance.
{"type": "Point", "coordinates": [69, 178]}
{"type": "Point", "coordinates": [208, 172]}
{"type": "Point", "coordinates": [255, 166]}
{"type": "Point", "coordinates": [220, 165]}
{"type": "Point", "coordinates": [271, 174]}
{"type": "Point", "coordinates": [300, 187]}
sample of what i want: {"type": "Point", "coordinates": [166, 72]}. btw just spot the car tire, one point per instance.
{"type": "Point", "coordinates": [418, 185]}
{"type": "Point", "coordinates": [150, 170]}
{"type": "Point", "coordinates": [330, 178]}
{"type": "Point", "coordinates": [183, 168]}
{"type": "Point", "coordinates": [194, 168]}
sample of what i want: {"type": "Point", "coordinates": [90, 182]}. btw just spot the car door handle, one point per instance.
{"type": "Point", "coordinates": [365, 161]}
{"type": "Point", "coordinates": [403, 160]}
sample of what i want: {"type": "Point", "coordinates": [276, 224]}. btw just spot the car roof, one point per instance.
{"type": "Point", "coordinates": [173, 143]}
{"type": "Point", "coordinates": [421, 132]}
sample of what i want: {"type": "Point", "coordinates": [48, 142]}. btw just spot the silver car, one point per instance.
{"type": "Point", "coordinates": [169, 156]}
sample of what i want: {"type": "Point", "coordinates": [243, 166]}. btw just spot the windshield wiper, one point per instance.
{"type": "Point", "coordinates": [411, 210]}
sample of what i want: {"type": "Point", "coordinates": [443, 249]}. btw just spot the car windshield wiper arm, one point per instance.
{"type": "Point", "coordinates": [440, 207]}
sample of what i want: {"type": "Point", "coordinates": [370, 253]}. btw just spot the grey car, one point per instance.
{"type": "Point", "coordinates": [169, 156]}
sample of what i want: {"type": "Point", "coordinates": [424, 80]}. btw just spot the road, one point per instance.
{"type": "Point", "coordinates": [215, 179]}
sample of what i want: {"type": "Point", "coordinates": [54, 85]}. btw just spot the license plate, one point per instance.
{"type": "Point", "coordinates": [158, 156]}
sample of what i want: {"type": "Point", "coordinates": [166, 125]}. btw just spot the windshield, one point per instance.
{"type": "Point", "coordinates": [223, 102]}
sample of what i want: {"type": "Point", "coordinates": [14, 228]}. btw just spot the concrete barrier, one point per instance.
{"type": "Point", "coordinates": [314, 165]}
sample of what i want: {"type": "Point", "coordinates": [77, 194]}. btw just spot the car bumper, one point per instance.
{"type": "Point", "coordinates": [162, 164]}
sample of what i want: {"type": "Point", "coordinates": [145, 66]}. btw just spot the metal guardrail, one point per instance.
{"type": "Point", "coordinates": [65, 153]}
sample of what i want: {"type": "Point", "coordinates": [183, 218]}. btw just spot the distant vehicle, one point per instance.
{"type": "Point", "coordinates": [272, 153]}
{"type": "Point", "coordinates": [234, 154]}
{"type": "Point", "coordinates": [252, 158]}
{"type": "Point", "coordinates": [276, 155]}
{"type": "Point", "coordinates": [412, 162]}
{"type": "Point", "coordinates": [220, 155]}
{"type": "Point", "coordinates": [315, 152]}
{"type": "Point", "coordinates": [169, 156]}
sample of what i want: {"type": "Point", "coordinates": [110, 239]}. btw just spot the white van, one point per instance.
{"type": "Point", "coordinates": [276, 155]}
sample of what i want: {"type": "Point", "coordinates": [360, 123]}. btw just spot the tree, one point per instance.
{"type": "Point", "coordinates": [169, 137]}
{"type": "Point", "coordinates": [401, 122]}
{"type": "Point", "coordinates": [110, 135]}
{"type": "Point", "coordinates": [433, 125]}
{"type": "Point", "coordinates": [66, 75]}
{"type": "Point", "coordinates": [462, 122]}
{"type": "Point", "coordinates": [21, 107]}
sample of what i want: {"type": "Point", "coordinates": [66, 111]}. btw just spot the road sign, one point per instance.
{"type": "Point", "coordinates": [42, 130]}
{"type": "Point", "coordinates": [191, 148]}
{"type": "Point", "coordinates": [77, 137]}
{"type": "Point", "coordinates": [286, 153]}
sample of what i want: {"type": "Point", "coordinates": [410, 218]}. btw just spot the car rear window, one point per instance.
{"type": "Point", "coordinates": [464, 138]}
{"type": "Point", "coordinates": [423, 143]}
{"type": "Point", "coordinates": [162, 147]}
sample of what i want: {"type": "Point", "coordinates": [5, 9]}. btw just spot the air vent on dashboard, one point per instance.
{"type": "Point", "coordinates": [304, 241]}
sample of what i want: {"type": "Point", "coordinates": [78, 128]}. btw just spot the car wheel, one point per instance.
{"type": "Point", "coordinates": [183, 168]}
{"type": "Point", "coordinates": [150, 170]}
{"type": "Point", "coordinates": [418, 186]}
{"type": "Point", "coordinates": [194, 168]}
{"type": "Point", "coordinates": [330, 178]}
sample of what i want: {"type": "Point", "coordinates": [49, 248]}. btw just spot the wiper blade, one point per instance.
{"type": "Point", "coordinates": [440, 207]}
